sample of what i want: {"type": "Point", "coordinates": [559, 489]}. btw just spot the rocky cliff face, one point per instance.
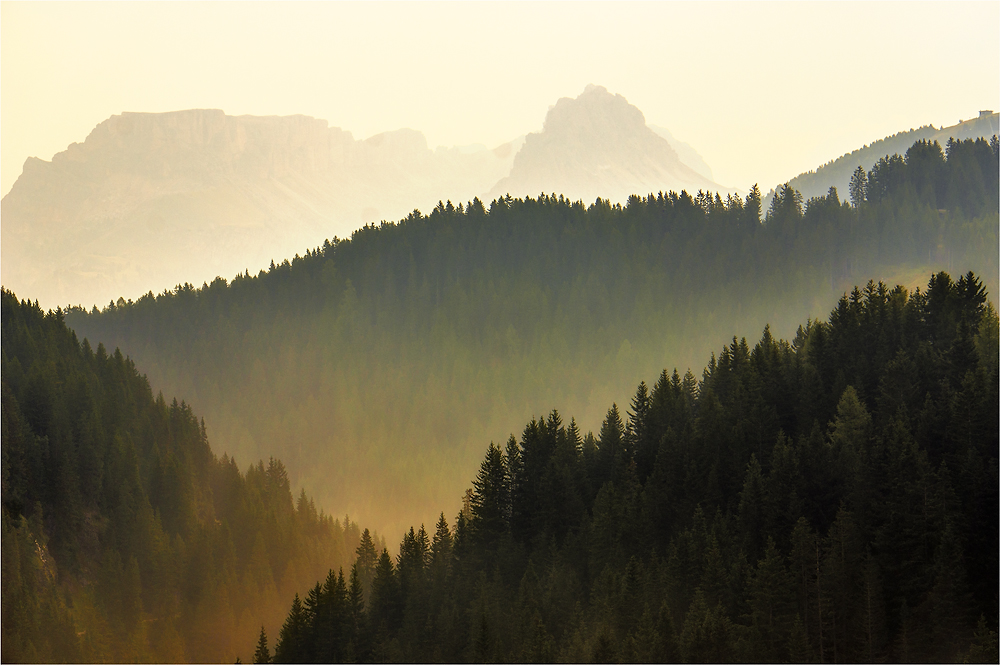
{"type": "Point", "coordinates": [598, 145]}
{"type": "Point", "coordinates": [151, 200]}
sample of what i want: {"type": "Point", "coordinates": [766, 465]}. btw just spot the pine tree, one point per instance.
{"type": "Point", "coordinates": [441, 550]}
{"type": "Point", "coordinates": [356, 627]}
{"type": "Point", "coordinates": [491, 499]}
{"type": "Point", "coordinates": [290, 647]}
{"type": "Point", "coordinates": [849, 437]}
{"type": "Point", "coordinates": [639, 433]}
{"type": "Point", "coordinates": [770, 599]}
{"type": "Point", "coordinates": [752, 209]}
{"type": "Point", "coordinates": [858, 187]}
{"type": "Point", "coordinates": [366, 558]}
{"type": "Point", "coordinates": [385, 602]}
{"type": "Point", "coordinates": [262, 654]}
{"type": "Point", "coordinates": [610, 446]}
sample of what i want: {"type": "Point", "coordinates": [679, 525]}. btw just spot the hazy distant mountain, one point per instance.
{"type": "Point", "coordinates": [837, 172]}
{"type": "Point", "coordinates": [151, 200]}
{"type": "Point", "coordinates": [685, 152]}
{"type": "Point", "coordinates": [598, 145]}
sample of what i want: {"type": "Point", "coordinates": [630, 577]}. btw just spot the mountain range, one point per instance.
{"type": "Point", "coordinates": [152, 200]}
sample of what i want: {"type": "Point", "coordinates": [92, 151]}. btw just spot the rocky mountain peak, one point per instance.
{"type": "Point", "coordinates": [598, 144]}
{"type": "Point", "coordinates": [595, 113]}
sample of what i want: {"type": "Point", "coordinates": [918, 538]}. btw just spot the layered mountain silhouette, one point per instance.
{"type": "Point", "coordinates": [152, 200]}
{"type": "Point", "coordinates": [598, 145]}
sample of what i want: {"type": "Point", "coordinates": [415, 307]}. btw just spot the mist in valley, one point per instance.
{"type": "Point", "coordinates": [619, 333]}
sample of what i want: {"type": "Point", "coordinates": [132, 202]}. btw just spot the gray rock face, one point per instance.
{"type": "Point", "coordinates": [598, 145]}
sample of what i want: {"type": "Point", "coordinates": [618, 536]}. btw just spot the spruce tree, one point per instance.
{"type": "Point", "coordinates": [491, 499]}
{"type": "Point", "coordinates": [262, 654]}
{"type": "Point", "coordinates": [366, 558]}
{"type": "Point", "coordinates": [290, 647]}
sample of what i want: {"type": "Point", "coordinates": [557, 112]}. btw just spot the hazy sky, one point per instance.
{"type": "Point", "coordinates": [762, 91]}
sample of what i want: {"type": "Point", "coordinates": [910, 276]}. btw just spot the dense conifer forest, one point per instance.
{"type": "Point", "coordinates": [833, 498]}
{"type": "Point", "coordinates": [830, 498]}
{"type": "Point", "coordinates": [124, 538]}
{"type": "Point", "coordinates": [385, 357]}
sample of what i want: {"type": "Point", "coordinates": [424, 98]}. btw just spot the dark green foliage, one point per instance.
{"type": "Point", "coordinates": [491, 499]}
{"type": "Point", "coordinates": [418, 336]}
{"type": "Point", "coordinates": [292, 646]}
{"type": "Point", "coordinates": [262, 654]}
{"type": "Point", "coordinates": [124, 537]}
{"type": "Point", "coordinates": [798, 509]}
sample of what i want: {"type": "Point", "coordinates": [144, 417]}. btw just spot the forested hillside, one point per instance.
{"type": "Point", "coordinates": [125, 539]}
{"type": "Point", "coordinates": [373, 366]}
{"type": "Point", "coordinates": [837, 172]}
{"type": "Point", "coordinates": [833, 498]}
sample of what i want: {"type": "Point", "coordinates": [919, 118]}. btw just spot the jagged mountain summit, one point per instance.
{"type": "Point", "coordinates": [598, 145]}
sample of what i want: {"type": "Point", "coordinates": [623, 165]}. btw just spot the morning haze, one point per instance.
{"type": "Point", "coordinates": [733, 79]}
{"type": "Point", "coordinates": [149, 201]}
{"type": "Point", "coordinates": [660, 332]}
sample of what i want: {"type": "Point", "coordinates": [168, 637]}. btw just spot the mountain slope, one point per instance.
{"type": "Point", "coordinates": [598, 145]}
{"type": "Point", "coordinates": [837, 173]}
{"type": "Point", "coordinates": [124, 538]}
{"type": "Point", "coordinates": [376, 366]}
{"type": "Point", "coordinates": [833, 497]}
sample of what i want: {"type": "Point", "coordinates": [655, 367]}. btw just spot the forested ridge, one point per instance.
{"type": "Point", "coordinates": [125, 539]}
{"type": "Point", "coordinates": [385, 357]}
{"type": "Point", "coordinates": [833, 498]}
{"type": "Point", "coordinates": [838, 172]}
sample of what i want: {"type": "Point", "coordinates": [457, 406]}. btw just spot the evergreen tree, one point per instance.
{"type": "Point", "coordinates": [491, 499]}
{"type": "Point", "coordinates": [262, 654]}
{"type": "Point", "coordinates": [290, 647]}
{"type": "Point", "coordinates": [441, 548]}
{"type": "Point", "coordinates": [859, 187]}
{"type": "Point", "coordinates": [366, 559]}
{"type": "Point", "coordinates": [385, 600]}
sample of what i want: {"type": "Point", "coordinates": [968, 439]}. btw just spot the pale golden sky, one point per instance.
{"type": "Point", "coordinates": [762, 91]}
